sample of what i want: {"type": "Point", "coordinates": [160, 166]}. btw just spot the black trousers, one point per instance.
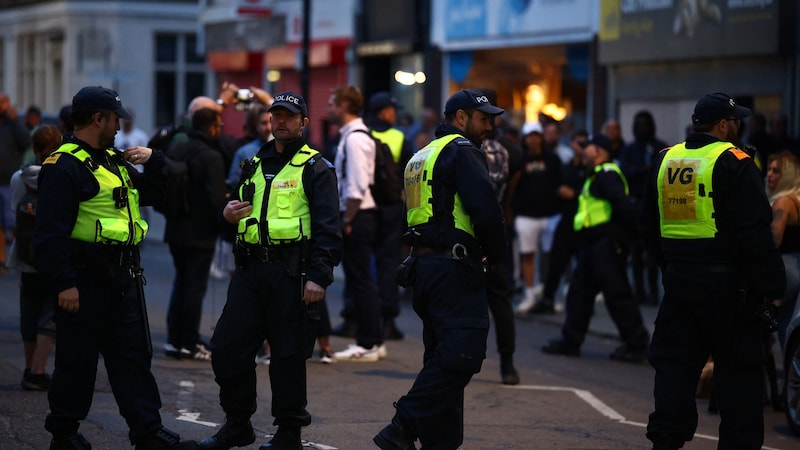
{"type": "Point", "coordinates": [565, 245]}
{"type": "Point", "coordinates": [358, 249]}
{"type": "Point", "coordinates": [702, 314]}
{"type": "Point", "coordinates": [110, 322]}
{"type": "Point", "coordinates": [264, 302]}
{"type": "Point", "coordinates": [389, 255]}
{"type": "Point", "coordinates": [450, 298]}
{"type": "Point", "coordinates": [188, 290]}
{"type": "Point", "coordinates": [498, 293]}
{"type": "Point", "coordinates": [601, 268]}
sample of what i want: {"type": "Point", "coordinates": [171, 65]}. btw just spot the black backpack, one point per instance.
{"type": "Point", "coordinates": [388, 186]}
{"type": "Point", "coordinates": [175, 204]}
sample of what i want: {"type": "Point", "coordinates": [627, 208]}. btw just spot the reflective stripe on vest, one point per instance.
{"type": "Point", "coordinates": [418, 182]}
{"type": "Point", "coordinates": [99, 219]}
{"type": "Point", "coordinates": [593, 211]}
{"type": "Point", "coordinates": [394, 139]}
{"type": "Point", "coordinates": [287, 218]}
{"type": "Point", "coordinates": [685, 206]}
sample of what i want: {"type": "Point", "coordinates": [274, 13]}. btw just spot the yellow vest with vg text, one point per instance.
{"type": "Point", "coordinates": [284, 217]}
{"type": "Point", "coordinates": [394, 139]}
{"type": "Point", "coordinates": [418, 182]}
{"type": "Point", "coordinates": [99, 220]}
{"type": "Point", "coordinates": [593, 211]}
{"type": "Point", "coordinates": [685, 206]}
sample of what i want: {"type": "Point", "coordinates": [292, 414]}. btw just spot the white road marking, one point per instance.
{"type": "Point", "coordinates": [602, 408]}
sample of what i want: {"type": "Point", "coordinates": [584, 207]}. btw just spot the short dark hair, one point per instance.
{"type": "Point", "coordinates": [81, 118]}
{"type": "Point", "coordinates": [203, 119]}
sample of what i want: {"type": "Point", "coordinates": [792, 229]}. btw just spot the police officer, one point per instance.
{"type": "Point", "coordinates": [707, 219]}
{"type": "Point", "coordinates": [454, 221]}
{"type": "Point", "coordinates": [604, 213]}
{"type": "Point", "coordinates": [86, 240]}
{"type": "Point", "coordinates": [288, 239]}
{"type": "Point", "coordinates": [388, 253]}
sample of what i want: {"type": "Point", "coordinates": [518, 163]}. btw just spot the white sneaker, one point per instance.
{"type": "Point", "coordinates": [358, 353]}
{"type": "Point", "coordinates": [525, 305]}
{"type": "Point", "coordinates": [382, 351]}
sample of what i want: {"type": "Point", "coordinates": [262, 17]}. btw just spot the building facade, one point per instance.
{"type": "Point", "coordinates": [146, 50]}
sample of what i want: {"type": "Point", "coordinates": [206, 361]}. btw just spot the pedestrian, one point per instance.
{"type": "Point", "coordinates": [88, 229]}
{"type": "Point", "coordinates": [502, 159]}
{"type": "Point", "coordinates": [612, 129]}
{"type": "Point", "coordinates": [565, 244]}
{"type": "Point", "coordinates": [287, 242]}
{"type": "Point", "coordinates": [355, 166]}
{"type": "Point", "coordinates": [605, 213]}
{"type": "Point", "coordinates": [707, 219]}
{"type": "Point", "coordinates": [783, 187]}
{"type": "Point", "coordinates": [192, 236]}
{"type": "Point", "coordinates": [636, 161]}
{"type": "Point", "coordinates": [533, 204]}
{"type": "Point", "coordinates": [37, 306]}
{"type": "Point", "coordinates": [14, 141]}
{"type": "Point", "coordinates": [381, 121]}
{"type": "Point", "coordinates": [454, 222]}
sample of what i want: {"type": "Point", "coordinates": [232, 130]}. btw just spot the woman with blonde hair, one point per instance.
{"type": "Point", "coordinates": [783, 187]}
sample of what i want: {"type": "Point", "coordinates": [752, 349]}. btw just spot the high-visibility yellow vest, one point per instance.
{"type": "Point", "coordinates": [111, 217]}
{"type": "Point", "coordinates": [593, 211]}
{"type": "Point", "coordinates": [394, 139]}
{"type": "Point", "coordinates": [418, 181]}
{"type": "Point", "coordinates": [685, 206]}
{"type": "Point", "coordinates": [286, 216]}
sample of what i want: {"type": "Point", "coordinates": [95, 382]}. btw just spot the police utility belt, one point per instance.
{"type": "Point", "coordinates": [457, 251]}
{"type": "Point", "coordinates": [246, 253]}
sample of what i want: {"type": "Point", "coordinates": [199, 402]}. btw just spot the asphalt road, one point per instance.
{"type": "Point", "coordinates": [563, 403]}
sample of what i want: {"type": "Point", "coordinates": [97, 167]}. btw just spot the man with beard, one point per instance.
{"type": "Point", "coordinates": [88, 228]}
{"type": "Point", "coordinates": [707, 219]}
{"type": "Point", "coordinates": [455, 230]}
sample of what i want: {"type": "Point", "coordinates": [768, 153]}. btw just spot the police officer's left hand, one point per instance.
{"type": "Point", "coordinates": [313, 292]}
{"type": "Point", "coordinates": [137, 155]}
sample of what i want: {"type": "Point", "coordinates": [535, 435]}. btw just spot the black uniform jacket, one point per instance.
{"type": "Point", "coordinates": [62, 186]}
{"type": "Point", "coordinates": [743, 218]}
{"type": "Point", "coordinates": [319, 182]}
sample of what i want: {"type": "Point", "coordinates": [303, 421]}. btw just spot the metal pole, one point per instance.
{"type": "Point", "coordinates": [304, 69]}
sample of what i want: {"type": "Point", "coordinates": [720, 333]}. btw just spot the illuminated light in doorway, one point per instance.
{"type": "Point", "coordinates": [408, 78]}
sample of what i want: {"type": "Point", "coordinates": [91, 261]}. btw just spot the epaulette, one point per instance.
{"type": "Point", "coordinates": [739, 154]}
{"type": "Point", "coordinates": [52, 159]}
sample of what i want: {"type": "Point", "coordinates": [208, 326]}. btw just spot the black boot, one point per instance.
{"type": "Point", "coordinates": [508, 372]}
{"type": "Point", "coordinates": [235, 433]}
{"type": "Point", "coordinates": [166, 439]}
{"type": "Point", "coordinates": [70, 442]}
{"type": "Point", "coordinates": [394, 437]}
{"type": "Point", "coordinates": [287, 438]}
{"type": "Point", "coordinates": [665, 441]}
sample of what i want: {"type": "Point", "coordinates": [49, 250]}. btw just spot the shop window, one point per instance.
{"type": "Point", "coordinates": [180, 75]}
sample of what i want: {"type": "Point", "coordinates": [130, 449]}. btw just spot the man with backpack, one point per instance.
{"type": "Point", "coordinates": [355, 168]}
{"type": "Point", "coordinates": [192, 233]}
{"type": "Point", "coordinates": [381, 119]}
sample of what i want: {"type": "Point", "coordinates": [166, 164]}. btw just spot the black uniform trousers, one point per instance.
{"type": "Point", "coordinates": [110, 322]}
{"type": "Point", "coordinates": [702, 314]}
{"type": "Point", "coordinates": [188, 290]}
{"type": "Point", "coordinates": [450, 298]}
{"type": "Point", "coordinates": [601, 268]}
{"type": "Point", "coordinates": [264, 301]}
